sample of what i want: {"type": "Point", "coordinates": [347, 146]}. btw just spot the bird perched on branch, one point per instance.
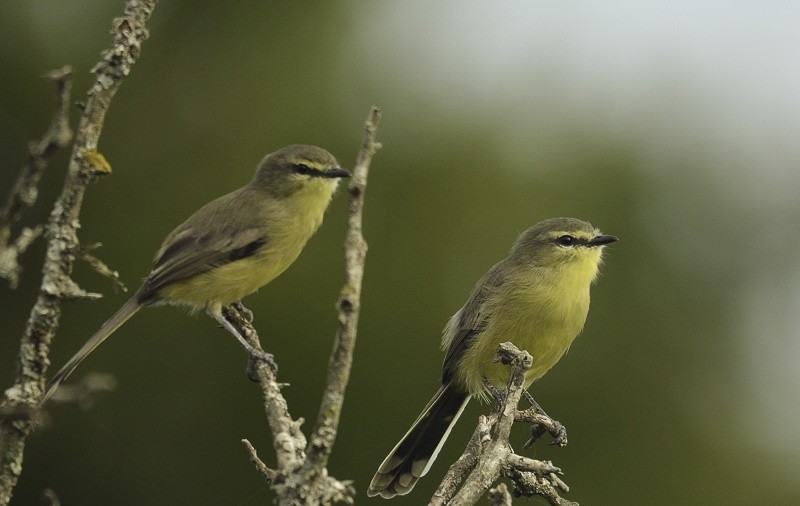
{"type": "Point", "coordinates": [537, 298]}
{"type": "Point", "coordinates": [233, 245]}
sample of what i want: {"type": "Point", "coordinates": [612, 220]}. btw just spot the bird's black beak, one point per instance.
{"type": "Point", "coordinates": [336, 172]}
{"type": "Point", "coordinates": [601, 240]}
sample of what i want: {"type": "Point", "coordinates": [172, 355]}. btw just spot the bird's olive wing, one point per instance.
{"type": "Point", "coordinates": [469, 321]}
{"type": "Point", "coordinates": [217, 234]}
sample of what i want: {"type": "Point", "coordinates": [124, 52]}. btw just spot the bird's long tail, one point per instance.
{"type": "Point", "coordinates": [121, 316]}
{"type": "Point", "coordinates": [415, 453]}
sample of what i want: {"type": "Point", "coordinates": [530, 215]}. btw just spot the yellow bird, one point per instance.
{"type": "Point", "coordinates": [235, 244]}
{"type": "Point", "coordinates": [536, 298]}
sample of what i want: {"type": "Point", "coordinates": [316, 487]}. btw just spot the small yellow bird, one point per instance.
{"type": "Point", "coordinates": [536, 298]}
{"type": "Point", "coordinates": [235, 244]}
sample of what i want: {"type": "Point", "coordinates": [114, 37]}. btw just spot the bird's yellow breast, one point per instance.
{"type": "Point", "coordinates": [541, 311]}
{"type": "Point", "coordinates": [288, 225]}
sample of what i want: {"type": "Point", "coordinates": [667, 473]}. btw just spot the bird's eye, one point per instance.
{"type": "Point", "coordinates": [302, 168]}
{"type": "Point", "coordinates": [565, 240]}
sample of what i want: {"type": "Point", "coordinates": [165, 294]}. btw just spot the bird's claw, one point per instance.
{"type": "Point", "coordinates": [559, 433]}
{"type": "Point", "coordinates": [260, 356]}
{"type": "Point", "coordinates": [545, 424]}
{"type": "Point", "coordinates": [497, 394]}
{"type": "Point", "coordinates": [246, 313]}
{"type": "Point", "coordinates": [554, 428]}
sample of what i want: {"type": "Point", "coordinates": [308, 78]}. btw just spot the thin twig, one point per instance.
{"type": "Point", "coordinates": [262, 468]}
{"type": "Point", "coordinates": [129, 32]}
{"type": "Point", "coordinates": [101, 268]}
{"type": "Point", "coordinates": [348, 305]}
{"type": "Point", "coordinates": [26, 188]}
{"type": "Point", "coordinates": [289, 440]}
{"type": "Point", "coordinates": [10, 268]}
{"type": "Point", "coordinates": [301, 476]}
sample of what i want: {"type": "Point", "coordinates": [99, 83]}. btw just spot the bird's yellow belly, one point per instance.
{"type": "Point", "coordinates": [233, 281]}
{"type": "Point", "coordinates": [546, 331]}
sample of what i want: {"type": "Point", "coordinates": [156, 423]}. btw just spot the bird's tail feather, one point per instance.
{"type": "Point", "coordinates": [121, 316]}
{"type": "Point", "coordinates": [414, 454]}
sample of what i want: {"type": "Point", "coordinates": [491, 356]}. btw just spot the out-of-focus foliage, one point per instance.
{"type": "Point", "coordinates": [672, 126]}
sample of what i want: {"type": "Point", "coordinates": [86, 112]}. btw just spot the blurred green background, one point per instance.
{"type": "Point", "coordinates": [673, 126]}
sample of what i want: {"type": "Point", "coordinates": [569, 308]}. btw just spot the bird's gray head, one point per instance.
{"type": "Point", "coordinates": [298, 167]}
{"type": "Point", "coordinates": [562, 240]}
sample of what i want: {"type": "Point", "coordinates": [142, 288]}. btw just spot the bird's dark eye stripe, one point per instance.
{"type": "Point", "coordinates": [302, 168]}
{"type": "Point", "coordinates": [569, 240]}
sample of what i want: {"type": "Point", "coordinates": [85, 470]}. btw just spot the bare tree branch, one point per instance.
{"type": "Point", "coordinates": [301, 476]}
{"type": "Point", "coordinates": [348, 305]}
{"type": "Point", "coordinates": [26, 188]}
{"type": "Point", "coordinates": [489, 456]}
{"type": "Point", "coordinates": [85, 163]}
{"type": "Point", "coordinates": [468, 460]}
{"type": "Point", "coordinates": [289, 440]}
{"type": "Point", "coordinates": [10, 269]}
{"type": "Point", "coordinates": [499, 495]}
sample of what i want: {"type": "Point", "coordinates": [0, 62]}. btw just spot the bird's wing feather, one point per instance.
{"type": "Point", "coordinates": [193, 248]}
{"type": "Point", "coordinates": [470, 320]}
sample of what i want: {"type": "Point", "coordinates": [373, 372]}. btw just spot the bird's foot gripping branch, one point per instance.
{"type": "Point", "coordinates": [489, 456]}
{"type": "Point", "coordinates": [541, 423]}
{"type": "Point", "coordinates": [238, 321]}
